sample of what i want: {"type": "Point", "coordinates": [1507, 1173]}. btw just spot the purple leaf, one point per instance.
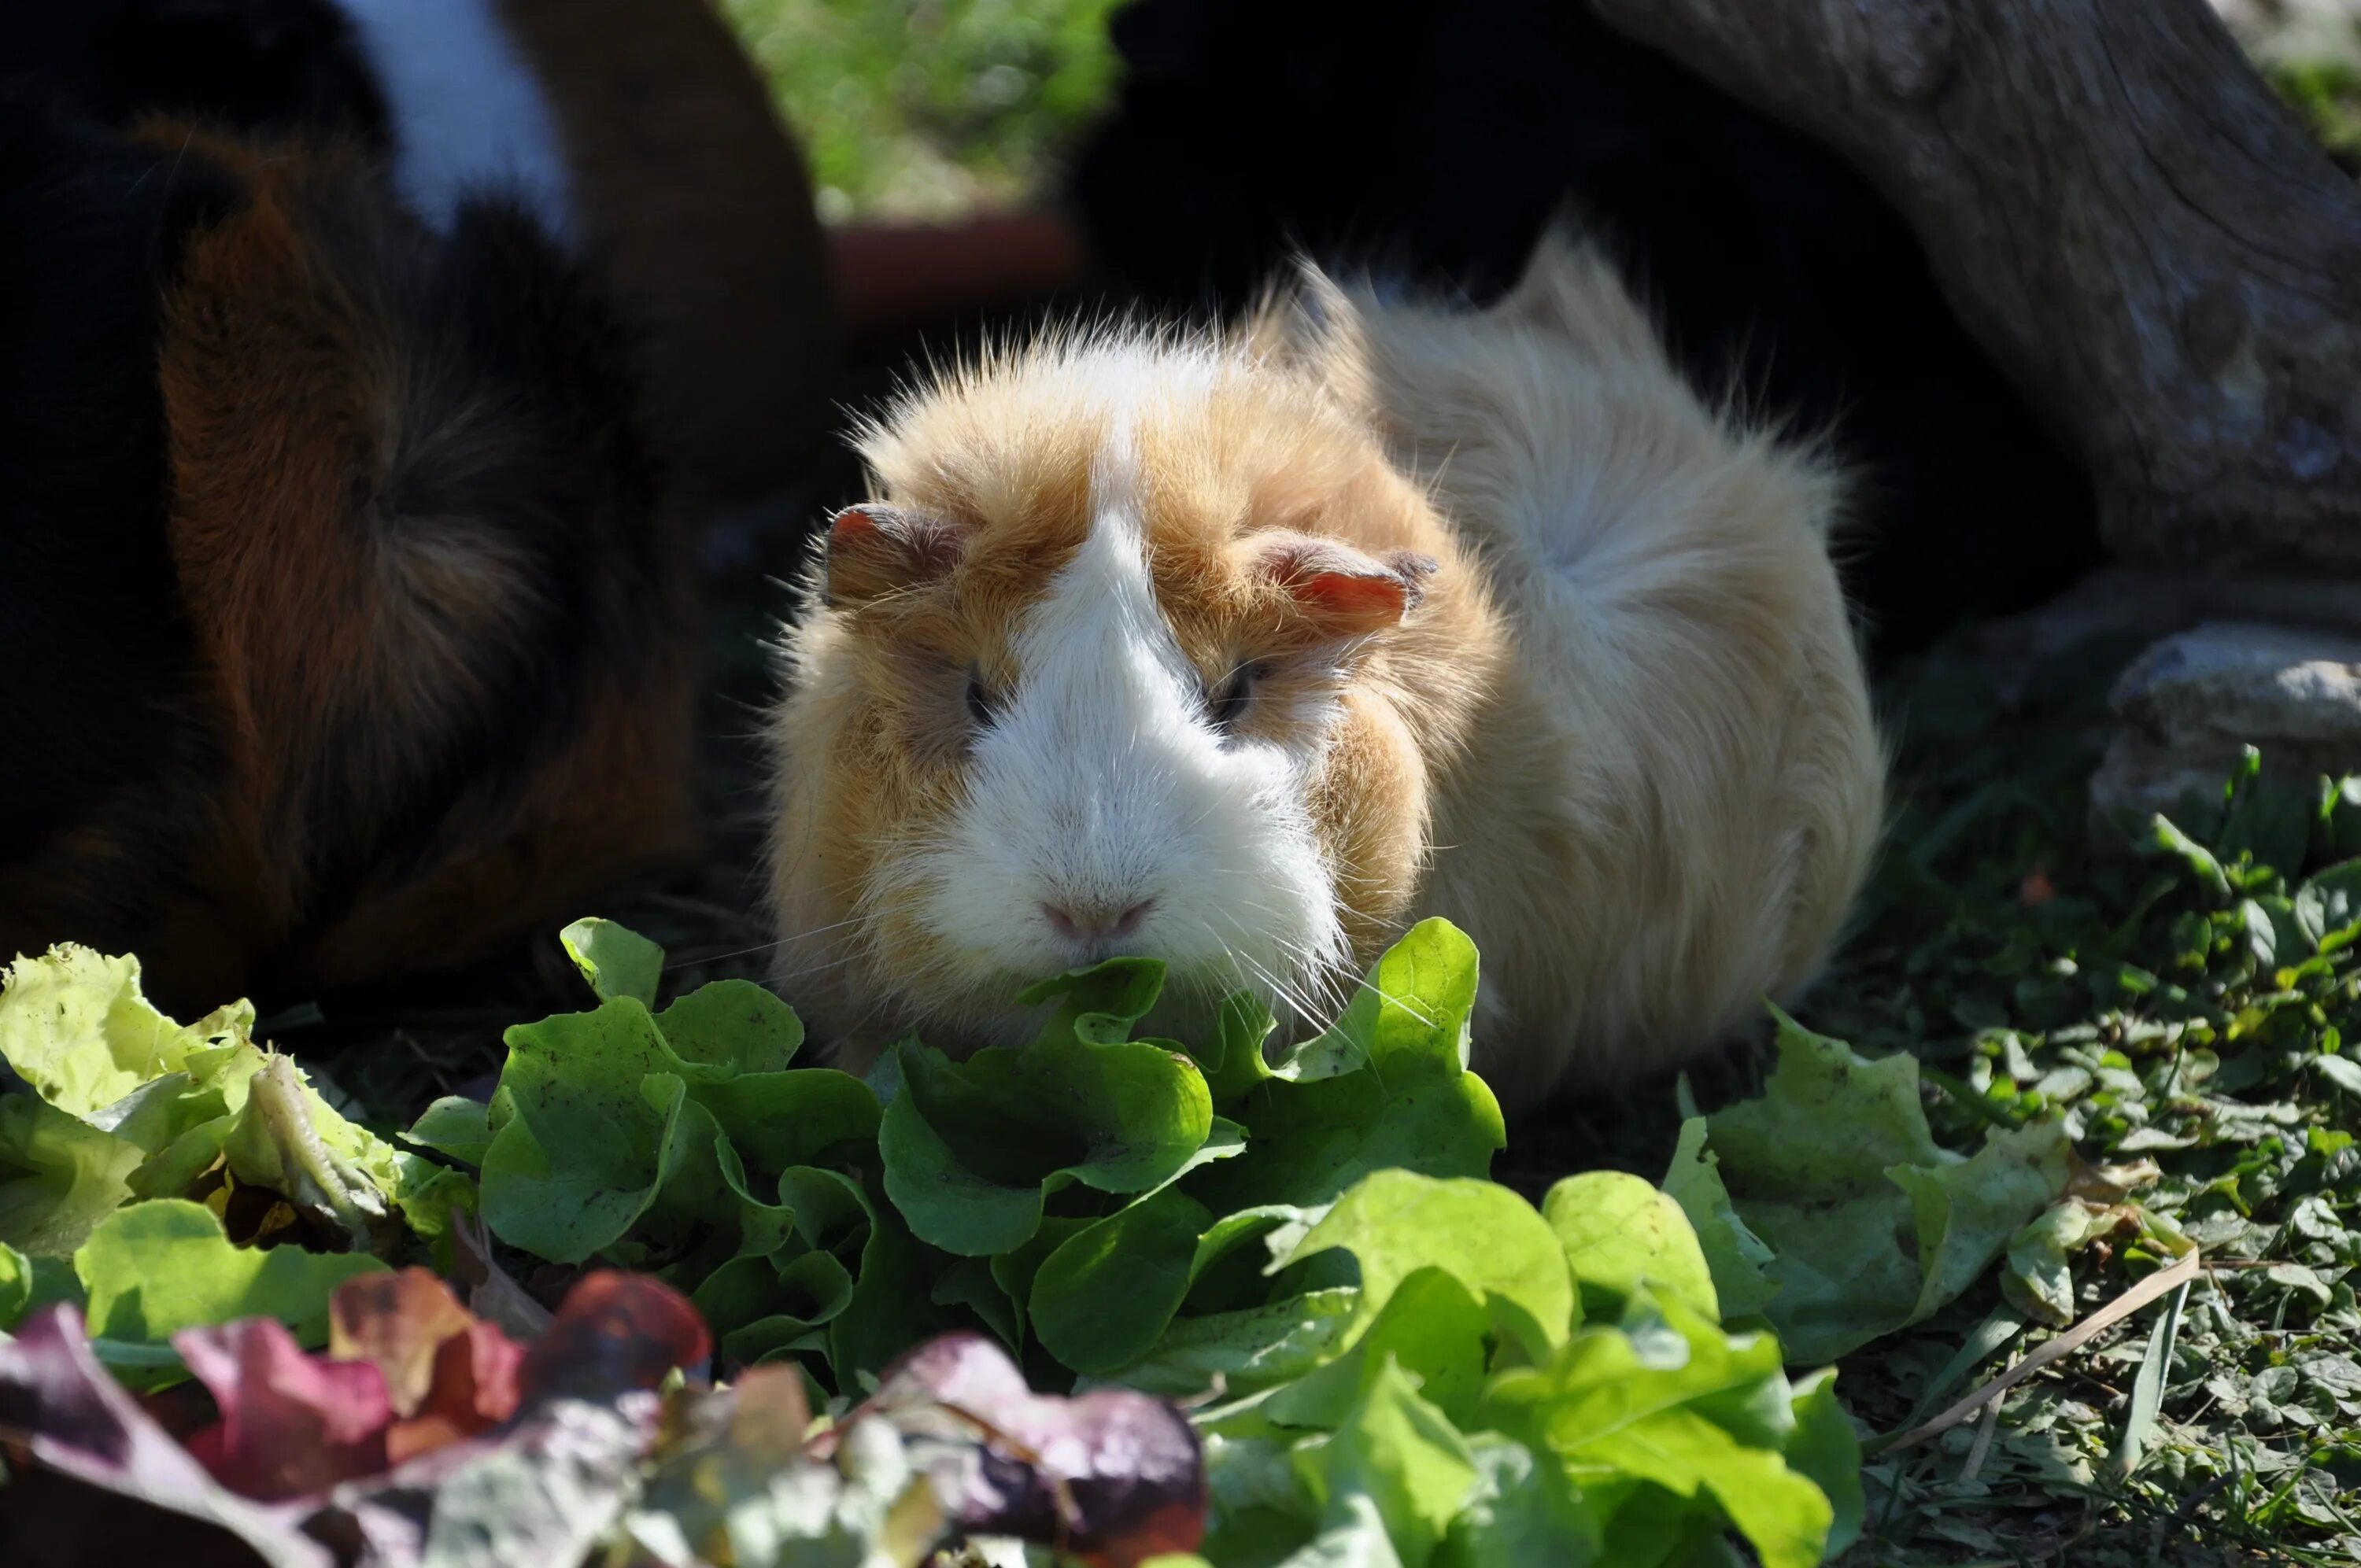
{"type": "Point", "coordinates": [61, 1404]}
{"type": "Point", "coordinates": [1113, 1476]}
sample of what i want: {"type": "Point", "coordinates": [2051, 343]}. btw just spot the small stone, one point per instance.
{"type": "Point", "coordinates": [2186, 708]}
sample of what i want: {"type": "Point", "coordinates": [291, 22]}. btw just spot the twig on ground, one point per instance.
{"type": "Point", "coordinates": [2182, 1271]}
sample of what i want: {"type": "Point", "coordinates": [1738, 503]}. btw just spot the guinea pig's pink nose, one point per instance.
{"type": "Point", "coordinates": [1077, 921]}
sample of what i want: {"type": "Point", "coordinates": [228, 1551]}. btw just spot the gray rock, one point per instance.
{"type": "Point", "coordinates": [2132, 606]}
{"type": "Point", "coordinates": [2185, 708]}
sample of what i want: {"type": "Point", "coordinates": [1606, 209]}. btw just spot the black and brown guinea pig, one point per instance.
{"type": "Point", "coordinates": [1244, 648]}
{"type": "Point", "coordinates": [636, 134]}
{"type": "Point", "coordinates": [352, 415]}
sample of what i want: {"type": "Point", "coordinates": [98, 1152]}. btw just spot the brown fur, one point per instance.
{"type": "Point", "coordinates": [697, 217]}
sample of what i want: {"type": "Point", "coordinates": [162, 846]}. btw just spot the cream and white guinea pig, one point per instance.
{"type": "Point", "coordinates": [1246, 652]}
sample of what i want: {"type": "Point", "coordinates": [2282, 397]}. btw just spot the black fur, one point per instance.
{"type": "Point", "coordinates": [271, 67]}
{"type": "Point", "coordinates": [92, 645]}
{"type": "Point", "coordinates": [1438, 141]}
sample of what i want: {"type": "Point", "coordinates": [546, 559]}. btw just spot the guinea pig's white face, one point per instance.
{"type": "Point", "coordinates": [1111, 804]}
{"type": "Point", "coordinates": [1102, 675]}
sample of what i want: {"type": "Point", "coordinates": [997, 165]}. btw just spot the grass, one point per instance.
{"type": "Point", "coordinates": [2326, 95]}
{"type": "Point", "coordinates": [2175, 1004]}
{"type": "Point", "coordinates": [920, 109]}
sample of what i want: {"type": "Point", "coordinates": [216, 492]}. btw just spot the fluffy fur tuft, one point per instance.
{"type": "Point", "coordinates": [1589, 690]}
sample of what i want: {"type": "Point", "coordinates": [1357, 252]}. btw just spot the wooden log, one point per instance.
{"type": "Point", "coordinates": [2119, 209]}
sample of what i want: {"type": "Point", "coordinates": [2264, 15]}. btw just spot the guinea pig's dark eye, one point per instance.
{"type": "Point", "coordinates": [1226, 705]}
{"type": "Point", "coordinates": [982, 705]}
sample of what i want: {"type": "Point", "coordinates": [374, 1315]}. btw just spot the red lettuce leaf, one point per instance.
{"type": "Point", "coordinates": [613, 1332]}
{"type": "Point", "coordinates": [74, 1419]}
{"type": "Point", "coordinates": [290, 1424]}
{"type": "Point", "coordinates": [448, 1375]}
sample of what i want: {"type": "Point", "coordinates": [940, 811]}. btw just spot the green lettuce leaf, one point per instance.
{"type": "Point", "coordinates": [154, 1268]}
{"type": "Point", "coordinates": [645, 1138]}
{"type": "Point", "coordinates": [615, 960]}
{"type": "Point", "coordinates": [1388, 1087]}
{"type": "Point", "coordinates": [1486, 1238]}
{"type": "Point", "coordinates": [75, 1026]}
{"type": "Point", "coordinates": [133, 1105]}
{"type": "Point", "coordinates": [1400, 1454]}
{"type": "Point", "coordinates": [1875, 1230]}
{"type": "Point", "coordinates": [1620, 1234]}
{"type": "Point", "coordinates": [972, 1149]}
{"type": "Point", "coordinates": [59, 1176]}
{"type": "Point", "coordinates": [1706, 1429]}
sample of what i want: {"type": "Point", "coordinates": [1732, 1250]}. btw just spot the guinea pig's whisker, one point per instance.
{"type": "Point", "coordinates": [1284, 991]}
{"type": "Point", "coordinates": [758, 948]}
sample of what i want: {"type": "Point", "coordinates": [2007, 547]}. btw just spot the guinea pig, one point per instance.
{"type": "Point", "coordinates": [334, 570]}
{"type": "Point", "coordinates": [636, 134]}
{"type": "Point", "coordinates": [1245, 651]}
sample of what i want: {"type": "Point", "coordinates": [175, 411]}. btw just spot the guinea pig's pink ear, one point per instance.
{"type": "Point", "coordinates": [874, 549]}
{"type": "Point", "coordinates": [1345, 592]}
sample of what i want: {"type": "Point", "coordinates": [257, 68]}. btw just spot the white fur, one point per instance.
{"type": "Point", "coordinates": [1101, 782]}
{"type": "Point", "coordinates": [469, 116]}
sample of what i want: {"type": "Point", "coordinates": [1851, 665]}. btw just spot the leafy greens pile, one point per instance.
{"type": "Point", "coordinates": [1385, 1357]}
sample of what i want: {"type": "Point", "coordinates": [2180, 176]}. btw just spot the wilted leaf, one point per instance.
{"type": "Point", "coordinates": [1735, 1256]}
{"type": "Point", "coordinates": [1877, 1229]}
{"type": "Point", "coordinates": [275, 1143]}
